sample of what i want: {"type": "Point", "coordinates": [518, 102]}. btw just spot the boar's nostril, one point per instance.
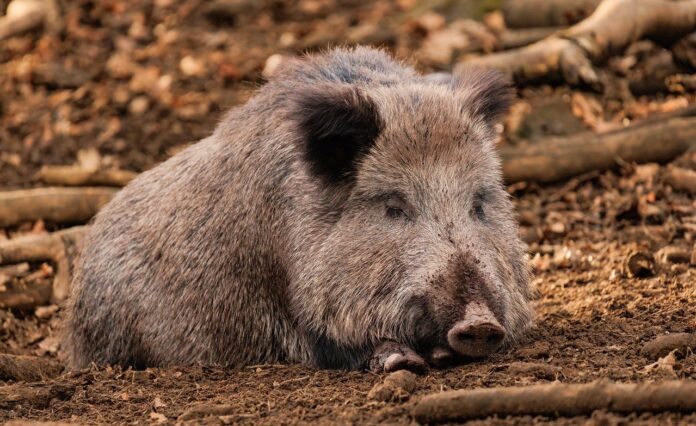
{"type": "Point", "coordinates": [466, 337]}
{"type": "Point", "coordinates": [495, 338]}
{"type": "Point", "coordinates": [476, 339]}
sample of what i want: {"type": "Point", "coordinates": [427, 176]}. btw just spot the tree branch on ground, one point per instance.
{"type": "Point", "coordinates": [61, 247]}
{"type": "Point", "coordinates": [546, 13]}
{"type": "Point", "coordinates": [26, 15]}
{"type": "Point", "coordinates": [28, 368]}
{"type": "Point", "coordinates": [571, 53]}
{"type": "Point", "coordinates": [557, 399]}
{"type": "Point", "coordinates": [59, 205]}
{"type": "Point", "coordinates": [76, 175]}
{"type": "Point", "coordinates": [559, 158]}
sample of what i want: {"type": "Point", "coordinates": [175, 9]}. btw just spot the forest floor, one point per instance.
{"type": "Point", "coordinates": [139, 80]}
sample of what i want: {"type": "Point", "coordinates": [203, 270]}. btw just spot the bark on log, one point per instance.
{"type": "Point", "coordinates": [60, 247]}
{"type": "Point", "coordinates": [77, 176]}
{"type": "Point", "coordinates": [546, 13]}
{"type": "Point", "coordinates": [560, 158]}
{"type": "Point", "coordinates": [27, 368]}
{"type": "Point", "coordinates": [60, 205]}
{"type": "Point", "coordinates": [510, 39]}
{"type": "Point", "coordinates": [557, 399]}
{"type": "Point", "coordinates": [571, 53]}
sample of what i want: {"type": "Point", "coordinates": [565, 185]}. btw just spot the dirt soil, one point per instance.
{"type": "Point", "coordinates": [140, 79]}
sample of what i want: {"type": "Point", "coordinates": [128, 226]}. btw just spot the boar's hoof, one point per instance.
{"type": "Point", "coordinates": [392, 356]}
{"type": "Point", "coordinates": [441, 357]}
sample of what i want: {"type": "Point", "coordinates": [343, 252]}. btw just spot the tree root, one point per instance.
{"type": "Point", "coordinates": [571, 53]}
{"type": "Point", "coordinates": [557, 399]}
{"type": "Point", "coordinates": [60, 247]}
{"type": "Point", "coordinates": [557, 159]}
{"type": "Point", "coordinates": [60, 205]}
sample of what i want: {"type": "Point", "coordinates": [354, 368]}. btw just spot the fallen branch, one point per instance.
{"type": "Point", "coordinates": [571, 53]}
{"type": "Point", "coordinates": [27, 368]}
{"type": "Point", "coordinates": [34, 395]}
{"type": "Point", "coordinates": [546, 13]}
{"type": "Point", "coordinates": [557, 399]}
{"type": "Point", "coordinates": [25, 295]}
{"type": "Point", "coordinates": [560, 158]}
{"type": "Point", "coordinates": [77, 176]}
{"type": "Point", "coordinates": [25, 15]}
{"type": "Point", "coordinates": [60, 205]}
{"type": "Point", "coordinates": [681, 179]}
{"type": "Point", "coordinates": [60, 247]}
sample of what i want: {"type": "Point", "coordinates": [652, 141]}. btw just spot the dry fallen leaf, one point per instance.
{"type": "Point", "coordinates": [667, 364]}
{"type": "Point", "coordinates": [158, 417]}
{"type": "Point", "coordinates": [158, 403]}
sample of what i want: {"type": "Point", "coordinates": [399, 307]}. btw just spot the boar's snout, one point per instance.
{"type": "Point", "coordinates": [479, 334]}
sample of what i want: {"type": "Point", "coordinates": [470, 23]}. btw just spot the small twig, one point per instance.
{"type": "Point", "coordinates": [285, 382]}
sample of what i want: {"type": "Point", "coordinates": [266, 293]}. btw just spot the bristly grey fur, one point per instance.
{"type": "Point", "coordinates": [261, 244]}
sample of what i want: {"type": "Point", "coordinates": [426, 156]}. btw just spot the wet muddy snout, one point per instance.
{"type": "Point", "coordinates": [478, 335]}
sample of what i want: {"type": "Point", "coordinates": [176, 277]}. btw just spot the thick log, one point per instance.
{"type": "Point", "coordinates": [62, 248]}
{"type": "Point", "coordinates": [557, 399]}
{"type": "Point", "coordinates": [60, 205]}
{"type": "Point", "coordinates": [571, 53]}
{"type": "Point", "coordinates": [559, 158]}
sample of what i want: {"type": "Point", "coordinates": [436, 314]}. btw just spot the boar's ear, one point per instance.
{"type": "Point", "coordinates": [486, 93]}
{"type": "Point", "coordinates": [339, 125]}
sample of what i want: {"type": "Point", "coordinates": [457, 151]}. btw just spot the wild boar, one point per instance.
{"type": "Point", "coordinates": [352, 214]}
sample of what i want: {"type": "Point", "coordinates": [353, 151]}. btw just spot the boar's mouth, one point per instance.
{"type": "Point", "coordinates": [427, 331]}
{"type": "Point", "coordinates": [453, 338]}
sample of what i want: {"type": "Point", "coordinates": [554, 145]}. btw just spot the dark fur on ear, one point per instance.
{"type": "Point", "coordinates": [488, 93]}
{"type": "Point", "coordinates": [339, 125]}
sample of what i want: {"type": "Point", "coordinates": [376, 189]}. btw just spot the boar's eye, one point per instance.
{"type": "Point", "coordinates": [477, 210]}
{"type": "Point", "coordinates": [395, 212]}
{"type": "Point", "coordinates": [396, 207]}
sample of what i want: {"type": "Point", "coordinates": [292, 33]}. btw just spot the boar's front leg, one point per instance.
{"type": "Point", "coordinates": [391, 356]}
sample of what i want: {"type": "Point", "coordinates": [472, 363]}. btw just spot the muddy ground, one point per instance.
{"type": "Point", "coordinates": [138, 80]}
